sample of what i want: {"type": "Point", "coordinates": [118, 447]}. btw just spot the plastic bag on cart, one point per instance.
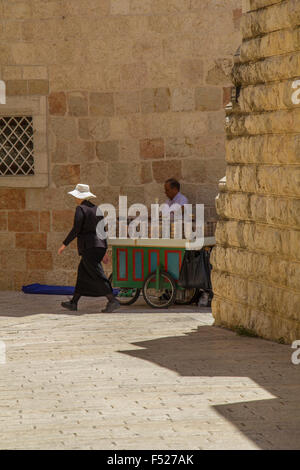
{"type": "Point", "coordinates": [195, 270]}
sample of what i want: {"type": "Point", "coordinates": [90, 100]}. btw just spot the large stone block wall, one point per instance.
{"type": "Point", "coordinates": [256, 264]}
{"type": "Point", "coordinates": [135, 92]}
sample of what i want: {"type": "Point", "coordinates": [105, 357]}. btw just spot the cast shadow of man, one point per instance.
{"type": "Point", "coordinates": [272, 423]}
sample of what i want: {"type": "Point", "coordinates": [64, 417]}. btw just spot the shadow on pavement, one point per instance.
{"type": "Point", "coordinates": [272, 423]}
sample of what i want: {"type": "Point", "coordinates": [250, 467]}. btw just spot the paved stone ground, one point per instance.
{"type": "Point", "coordinates": [140, 379]}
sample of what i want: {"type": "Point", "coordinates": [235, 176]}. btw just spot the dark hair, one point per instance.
{"type": "Point", "coordinates": [174, 183]}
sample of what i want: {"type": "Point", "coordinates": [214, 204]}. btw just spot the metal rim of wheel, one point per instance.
{"type": "Point", "coordinates": [189, 296]}
{"type": "Point", "coordinates": [126, 300]}
{"type": "Point", "coordinates": [158, 298]}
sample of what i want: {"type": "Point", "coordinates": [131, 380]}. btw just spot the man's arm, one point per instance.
{"type": "Point", "coordinates": [78, 221]}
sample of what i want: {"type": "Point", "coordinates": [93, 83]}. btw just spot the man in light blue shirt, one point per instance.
{"type": "Point", "coordinates": [172, 190]}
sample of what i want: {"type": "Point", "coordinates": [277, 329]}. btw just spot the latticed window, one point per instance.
{"type": "Point", "coordinates": [16, 146]}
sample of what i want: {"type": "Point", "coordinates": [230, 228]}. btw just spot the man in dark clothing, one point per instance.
{"type": "Point", "coordinates": [91, 280]}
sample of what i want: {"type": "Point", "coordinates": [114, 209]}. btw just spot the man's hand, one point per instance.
{"type": "Point", "coordinates": [61, 249]}
{"type": "Point", "coordinates": [105, 259]}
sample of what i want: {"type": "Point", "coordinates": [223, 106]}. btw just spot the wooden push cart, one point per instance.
{"type": "Point", "coordinates": [153, 267]}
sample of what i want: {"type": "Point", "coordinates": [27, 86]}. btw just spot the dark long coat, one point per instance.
{"type": "Point", "coordinates": [91, 280]}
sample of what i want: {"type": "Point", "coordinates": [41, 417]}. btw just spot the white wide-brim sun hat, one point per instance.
{"type": "Point", "coordinates": [82, 191]}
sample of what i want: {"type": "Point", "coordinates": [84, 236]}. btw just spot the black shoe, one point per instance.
{"type": "Point", "coordinates": [111, 306]}
{"type": "Point", "coordinates": [69, 305]}
{"type": "Point", "coordinates": [164, 296]}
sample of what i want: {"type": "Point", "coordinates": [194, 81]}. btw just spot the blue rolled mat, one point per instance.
{"type": "Point", "coordinates": [49, 290]}
{"type": "Point", "coordinates": [52, 290]}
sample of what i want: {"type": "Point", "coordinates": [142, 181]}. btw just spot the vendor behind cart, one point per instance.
{"type": "Point", "coordinates": [172, 190]}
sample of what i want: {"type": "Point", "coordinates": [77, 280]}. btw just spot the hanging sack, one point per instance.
{"type": "Point", "coordinates": [195, 270]}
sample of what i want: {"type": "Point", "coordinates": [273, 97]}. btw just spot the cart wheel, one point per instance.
{"type": "Point", "coordinates": [126, 295]}
{"type": "Point", "coordinates": [162, 297]}
{"type": "Point", "coordinates": [186, 296]}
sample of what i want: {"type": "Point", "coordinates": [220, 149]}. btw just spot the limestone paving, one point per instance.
{"type": "Point", "coordinates": [139, 378]}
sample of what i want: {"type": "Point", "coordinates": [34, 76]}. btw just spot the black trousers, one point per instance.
{"type": "Point", "coordinates": [91, 280]}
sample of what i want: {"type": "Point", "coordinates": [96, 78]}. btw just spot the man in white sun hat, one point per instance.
{"type": "Point", "coordinates": [91, 280]}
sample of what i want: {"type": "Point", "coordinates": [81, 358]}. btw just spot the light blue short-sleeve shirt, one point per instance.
{"type": "Point", "coordinates": [178, 199]}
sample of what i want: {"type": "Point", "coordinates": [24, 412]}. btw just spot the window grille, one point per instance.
{"type": "Point", "coordinates": [16, 146]}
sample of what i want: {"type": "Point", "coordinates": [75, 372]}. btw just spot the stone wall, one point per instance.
{"type": "Point", "coordinates": [135, 94]}
{"type": "Point", "coordinates": [256, 275]}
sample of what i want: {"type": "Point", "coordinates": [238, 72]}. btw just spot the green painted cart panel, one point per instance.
{"type": "Point", "coordinates": [132, 265]}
